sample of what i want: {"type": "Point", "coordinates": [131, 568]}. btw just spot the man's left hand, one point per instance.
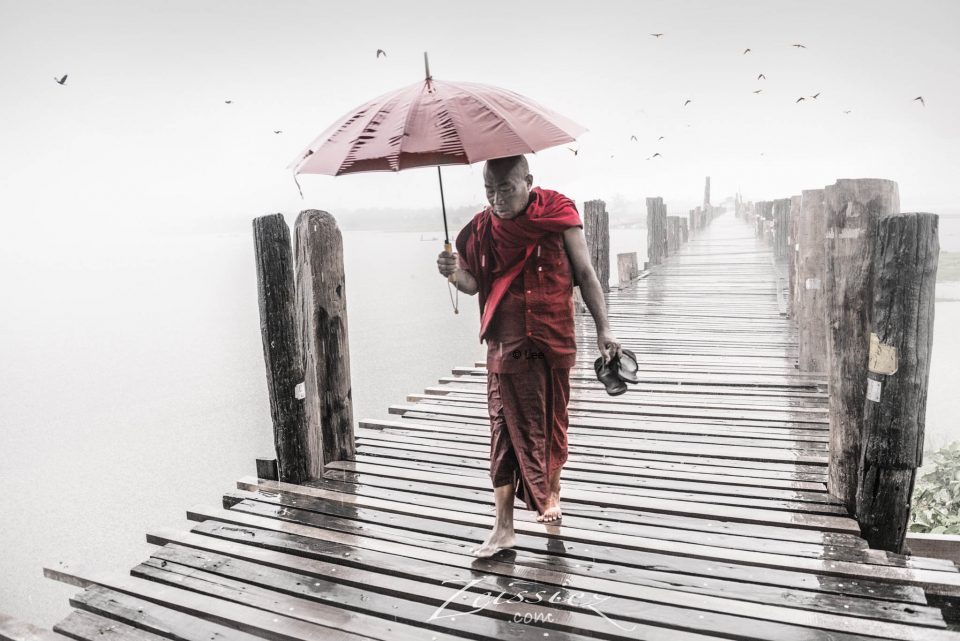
{"type": "Point", "coordinates": [609, 346]}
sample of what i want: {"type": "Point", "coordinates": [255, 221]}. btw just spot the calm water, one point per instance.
{"type": "Point", "coordinates": [133, 382]}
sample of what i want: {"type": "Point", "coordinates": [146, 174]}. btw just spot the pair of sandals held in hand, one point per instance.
{"type": "Point", "coordinates": [617, 372]}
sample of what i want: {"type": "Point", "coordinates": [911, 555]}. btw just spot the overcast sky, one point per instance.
{"type": "Point", "coordinates": [140, 130]}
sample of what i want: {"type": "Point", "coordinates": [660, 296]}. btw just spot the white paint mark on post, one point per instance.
{"type": "Point", "coordinates": [812, 283]}
{"type": "Point", "coordinates": [300, 391]}
{"type": "Point", "coordinates": [873, 390]}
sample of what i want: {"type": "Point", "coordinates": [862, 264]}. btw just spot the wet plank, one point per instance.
{"type": "Point", "coordinates": [703, 613]}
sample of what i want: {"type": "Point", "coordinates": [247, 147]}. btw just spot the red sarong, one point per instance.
{"type": "Point", "coordinates": [528, 430]}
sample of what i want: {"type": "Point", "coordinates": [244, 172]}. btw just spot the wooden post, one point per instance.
{"type": "Point", "coordinates": [693, 220]}
{"type": "Point", "coordinates": [627, 268]}
{"type": "Point", "coordinates": [793, 249]}
{"type": "Point", "coordinates": [812, 317]}
{"type": "Point", "coordinates": [853, 208]}
{"type": "Point", "coordinates": [673, 234]}
{"type": "Point", "coordinates": [322, 303]}
{"type": "Point", "coordinates": [706, 193]}
{"type": "Point", "coordinates": [656, 230]}
{"type": "Point", "coordinates": [781, 217]}
{"type": "Point", "coordinates": [267, 468]}
{"type": "Point", "coordinates": [596, 229]}
{"type": "Point", "coordinates": [901, 340]}
{"type": "Point", "coordinates": [281, 344]}
{"type": "Point", "coordinates": [685, 230]}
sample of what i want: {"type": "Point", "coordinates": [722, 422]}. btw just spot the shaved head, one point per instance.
{"type": "Point", "coordinates": [507, 181]}
{"type": "Point", "coordinates": [503, 167]}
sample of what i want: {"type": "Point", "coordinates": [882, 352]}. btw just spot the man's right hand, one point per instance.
{"type": "Point", "coordinates": [447, 262]}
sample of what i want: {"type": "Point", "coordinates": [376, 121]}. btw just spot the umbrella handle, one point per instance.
{"type": "Point", "coordinates": [447, 247]}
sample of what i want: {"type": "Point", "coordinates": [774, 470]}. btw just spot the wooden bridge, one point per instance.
{"type": "Point", "coordinates": [695, 507]}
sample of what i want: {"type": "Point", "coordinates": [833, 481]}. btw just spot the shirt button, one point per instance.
{"type": "Point", "coordinates": [528, 291]}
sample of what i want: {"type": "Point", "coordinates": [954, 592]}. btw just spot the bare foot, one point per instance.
{"type": "Point", "coordinates": [552, 514]}
{"type": "Point", "coordinates": [501, 538]}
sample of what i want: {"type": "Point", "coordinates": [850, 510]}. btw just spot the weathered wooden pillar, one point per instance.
{"type": "Point", "coordinates": [781, 217]}
{"type": "Point", "coordinates": [281, 345]}
{"type": "Point", "coordinates": [596, 229]}
{"type": "Point", "coordinates": [673, 234]}
{"type": "Point", "coordinates": [322, 305]}
{"type": "Point", "coordinates": [627, 271]}
{"type": "Point", "coordinates": [812, 317]}
{"type": "Point", "coordinates": [901, 339]}
{"type": "Point", "coordinates": [706, 193]}
{"type": "Point", "coordinates": [793, 249]}
{"type": "Point", "coordinates": [693, 220]}
{"type": "Point", "coordinates": [853, 208]}
{"type": "Point", "coordinates": [684, 229]}
{"type": "Point", "coordinates": [656, 231]}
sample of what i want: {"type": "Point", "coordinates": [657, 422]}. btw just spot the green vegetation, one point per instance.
{"type": "Point", "coordinates": [948, 267]}
{"type": "Point", "coordinates": [936, 495]}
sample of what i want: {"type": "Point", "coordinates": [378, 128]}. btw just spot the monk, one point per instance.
{"type": "Point", "coordinates": [523, 255]}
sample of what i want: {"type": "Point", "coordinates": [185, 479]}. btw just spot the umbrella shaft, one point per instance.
{"type": "Point", "coordinates": [443, 205]}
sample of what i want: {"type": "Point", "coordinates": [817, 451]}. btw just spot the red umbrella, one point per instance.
{"type": "Point", "coordinates": [434, 122]}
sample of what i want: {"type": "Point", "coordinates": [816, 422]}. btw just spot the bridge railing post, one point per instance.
{"type": "Point", "coordinates": [793, 253]}
{"type": "Point", "coordinates": [281, 345]}
{"type": "Point", "coordinates": [596, 229]}
{"type": "Point", "coordinates": [898, 368]}
{"type": "Point", "coordinates": [656, 230]}
{"type": "Point", "coordinates": [812, 315]}
{"type": "Point", "coordinates": [853, 208]}
{"type": "Point", "coordinates": [322, 317]}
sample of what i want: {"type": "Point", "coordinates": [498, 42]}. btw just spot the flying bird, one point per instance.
{"type": "Point", "coordinates": [278, 131]}
{"type": "Point", "coordinates": [761, 77]}
{"type": "Point", "coordinates": [61, 80]}
{"type": "Point", "coordinates": [228, 101]}
{"type": "Point", "coordinates": [920, 98]}
{"type": "Point", "coordinates": [687, 103]}
{"type": "Point", "coordinates": [799, 99]}
{"type": "Point", "coordinates": [660, 138]}
{"type": "Point", "coordinates": [575, 151]}
{"type": "Point", "coordinates": [799, 46]}
{"type": "Point", "coordinates": [633, 137]}
{"type": "Point", "coordinates": [758, 91]}
{"type": "Point", "coordinates": [379, 51]}
{"type": "Point", "coordinates": [814, 96]}
{"type": "Point", "coordinates": [656, 35]}
{"type": "Point", "coordinates": [847, 111]}
{"type": "Point", "coordinates": [746, 51]}
{"type": "Point", "coordinates": [656, 154]}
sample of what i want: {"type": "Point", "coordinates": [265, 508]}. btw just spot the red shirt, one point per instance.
{"type": "Point", "coordinates": [534, 317]}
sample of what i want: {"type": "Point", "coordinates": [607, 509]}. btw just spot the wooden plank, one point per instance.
{"type": "Point", "coordinates": [411, 429]}
{"type": "Point", "coordinates": [393, 445]}
{"type": "Point", "coordinates": [86, 626]}
{"type": "Point", "coordinates": [647, 443]}
{"type": "Point", "coordinates": [173, 611]}
{"type": "Point", "coordinates": [453, 500]}
{"type": "Point", "coordinates": [13, 629]}
{"type": "Point", "coordinates": [244, 501]}
{"type": "Point", "coordinates": [656, 607]}
{"type": "Point", "coordinates": [913, 576]}
{"type": "Point", "coordinates": [812, 502]}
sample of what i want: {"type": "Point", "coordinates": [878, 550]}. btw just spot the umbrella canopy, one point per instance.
{"type": "Point", "coordinates": [434, 122]}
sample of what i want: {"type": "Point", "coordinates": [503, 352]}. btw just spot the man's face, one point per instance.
{"type": "Point", "coordinates": [507, 192]}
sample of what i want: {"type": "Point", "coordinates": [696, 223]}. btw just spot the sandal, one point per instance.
{"type": "Point", "coordinates": [607, 374]}
{"type": "Point", "coordinates": [628, 366]}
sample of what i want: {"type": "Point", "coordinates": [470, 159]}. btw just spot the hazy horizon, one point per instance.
{"type": "Point", "coordinates": [141, 130]}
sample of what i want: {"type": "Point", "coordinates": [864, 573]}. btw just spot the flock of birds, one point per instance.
{"type": "Point", "coordinates": [380, 52]}
{"type": "Point", "coordinates": [761, 76]}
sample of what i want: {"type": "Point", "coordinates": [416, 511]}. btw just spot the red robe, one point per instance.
{"type": "Point", "coordinates": [526, 304]}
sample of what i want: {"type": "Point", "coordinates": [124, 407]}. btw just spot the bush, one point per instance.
{"type": "Point", "coordinates": [935, 507]}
